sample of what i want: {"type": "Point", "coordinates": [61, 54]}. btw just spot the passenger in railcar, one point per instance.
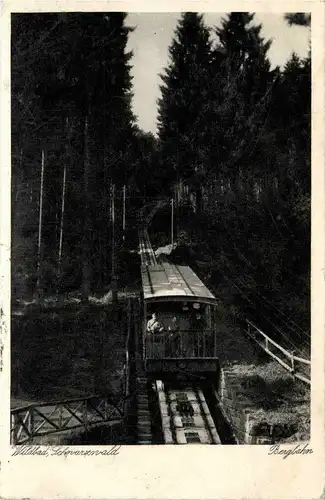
{"type": "Point", "coordinates": [153, 325]}
{"type": "Point", "coordinates": [174, 325]}
{"type": "Point", "coordinates": [196, 333]}
{"type": "Point", "coordinates": [173, 338]}
{"type": "Point", "coordinates": [156, 343]}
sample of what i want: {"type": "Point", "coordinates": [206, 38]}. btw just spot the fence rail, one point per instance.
{"type": "Point", "coordinates": [42, 419]}
{"type": "Point", "coordinates": [183, 344]}
{"type": "Point", "coordinates": [298, 367]}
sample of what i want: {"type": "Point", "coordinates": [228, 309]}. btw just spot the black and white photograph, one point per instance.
{"type": "Point", "coordinates": [160, 229]}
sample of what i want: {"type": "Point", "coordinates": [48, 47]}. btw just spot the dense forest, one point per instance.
{"type": "Point", "coordinates": [233, 150]}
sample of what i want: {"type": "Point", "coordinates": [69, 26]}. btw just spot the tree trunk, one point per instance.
{"type": "Point", "coordinates": [39, 290]}
{"type": "Point", "coordinates": [86, 269]}
{"type": "Point", "coordinates": [17, 183]}
{"type": "Point", "coordinates": [114, 281]}
{"type": "Point", "coordinates": [172, 224]}
{"type": "Point", "coordinates": [62, 210]}
{"type": "Point", "coordinates": [198, 200]}
{"type": "Point", "coordinates": [124, 213]}
{"type": "Point", "coordinates": [176, 196]}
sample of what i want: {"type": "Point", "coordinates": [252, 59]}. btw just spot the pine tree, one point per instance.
{"type": "Point", "coordinates": [184, 96]}
{"type": "Point", "coordinates": [245, 92]}
{"type": "Point", "coordinates": [298, 18]}
{"type": "Point", "coordinates": [114, 127]}
{"type": "Point", "coordinates": [81, 74]}
{"type": "Point", "coordinates": [32, 38]}
{"type": "Point", "coordinates": [146, 174]}
{"type": "Point", "coordinates": [292, 122]}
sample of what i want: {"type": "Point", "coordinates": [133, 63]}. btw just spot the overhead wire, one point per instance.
{"type": "Point", "coordinates": [288, 340]}
{"type": "Point", "coordinates": [279, 311]}
{"type": "Point", "coordinates": [292, 345]}
{"type": "Point", "coordinates": [238, 278]}
{"type": "Point", "coordinates": [289, 320]}
{"type": "Point", "coordinates": [268, 301]}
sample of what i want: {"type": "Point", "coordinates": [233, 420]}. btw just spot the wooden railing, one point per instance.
{"type": "Point", "coordinates": [184, 344]}
{"type": "Point", "coordinates": [298, 367]}
{"type": "Point", "coordinates": [42, 419]}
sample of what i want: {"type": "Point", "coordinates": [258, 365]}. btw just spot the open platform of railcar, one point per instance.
{"type": "Point", "coordinates": [186, 312]}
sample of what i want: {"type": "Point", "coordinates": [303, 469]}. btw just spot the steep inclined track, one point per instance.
{"type": "Point", "coordinates": [185, 416]}
{"type": "Point", "coordinates": [147, 254]}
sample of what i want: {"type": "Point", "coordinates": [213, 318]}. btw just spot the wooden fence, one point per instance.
{"type": "Point", "coordinates": [298, 367]}
{"type": "Point", "coordinates": [42, 419]}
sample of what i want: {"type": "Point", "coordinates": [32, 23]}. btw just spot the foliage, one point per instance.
{"type": "Point", "coordinates": [183, 98]}
{"type": "Point", "coordinates": [298, 18]}
{"type": "Point", "coordinates": [233, 148]}
{"type": "Point", "coordinates": [251, 133]}
{"type": "Point", "coordinates": [72, 103]}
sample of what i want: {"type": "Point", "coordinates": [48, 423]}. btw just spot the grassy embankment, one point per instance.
{"type": "Point", "coordinates": [67, 353]}
{"type": "Point", "coordinates": [68, 349]}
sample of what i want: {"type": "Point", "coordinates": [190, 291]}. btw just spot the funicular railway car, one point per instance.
{"type": "Point", "coordinates": [180, 321]}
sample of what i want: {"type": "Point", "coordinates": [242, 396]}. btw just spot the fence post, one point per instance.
{"type": "Point", "coordinates": [85, 415]}
{"type": "Point", "coordinates": [31, 423]}
{"type": "Point", "coordinates": [204, 344]}
{"type": "Point", "coordinates": [198, 344]}
{"type": "Point", "coordinates": [248, 328]}
{"type": "Point", "coordinates": [293, 364]}
{"type": "Point", "coordinates": [14, 429]}
{"type": "Point", "coordinates": [222, 384]}
{"type": "Point", "coordinates": [266, 344]}
{"type": "Point", "coordinates": [60, 416]}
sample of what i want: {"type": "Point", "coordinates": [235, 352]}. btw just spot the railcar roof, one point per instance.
{"type": "Point", "coordinates": [166, 281]}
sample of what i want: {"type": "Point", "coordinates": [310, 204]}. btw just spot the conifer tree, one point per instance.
{"type": "Point", "coordinates": [298, 18]}
{"type": "Point", "coordinates": [80, 77]}
{"type": "Point", "coordinates": [245, 93]}
{"type": "Point", "coordinates": [184, 96]}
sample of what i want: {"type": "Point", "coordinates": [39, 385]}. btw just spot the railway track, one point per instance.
{"type": "Point", "coordinates": [185, 416]}
{"type": "Point", "coordinates": [169, 415]}
{"type": "Point", "coordinates": [147, 254]}
{"type": "Point", "coordinates": [181, 411]}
